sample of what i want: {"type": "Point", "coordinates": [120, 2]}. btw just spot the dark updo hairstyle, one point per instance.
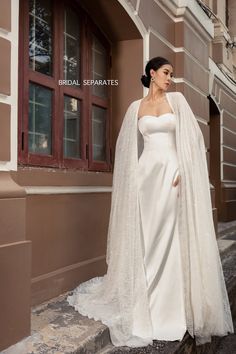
{"type": "Point", "coordinates": [155, 64]}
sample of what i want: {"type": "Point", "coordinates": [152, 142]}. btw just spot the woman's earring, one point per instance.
{"type": "Point", "coordinates": [152, 79]}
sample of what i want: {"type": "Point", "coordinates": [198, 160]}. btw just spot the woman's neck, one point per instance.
{"type": "Point", "coordinates": [155, 93]}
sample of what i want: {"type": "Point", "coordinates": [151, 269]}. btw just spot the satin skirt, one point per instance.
{"type": "Point", "coordinates": [158, 202]}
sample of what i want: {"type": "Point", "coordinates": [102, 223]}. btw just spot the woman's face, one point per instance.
{"type": "Point", "coordinates": [162, 76]}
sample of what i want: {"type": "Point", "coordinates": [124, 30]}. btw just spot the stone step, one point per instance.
{"type": "Point", "coordinates": [58, 328]}
{"type": "Point", "coordinates": [108, 349]}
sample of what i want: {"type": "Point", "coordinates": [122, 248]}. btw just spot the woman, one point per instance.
{"type": "Point", "coordinates": [164, 273]}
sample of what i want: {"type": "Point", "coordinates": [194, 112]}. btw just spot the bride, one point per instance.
{"type": "Point", "coordinates": [164, 274]}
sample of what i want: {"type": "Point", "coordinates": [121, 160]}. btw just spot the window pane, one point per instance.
{"type": "Point", "coordinates": [40, 117]}
{"type": "Point", "coordinates": [99, 69]}
{"type": "Point", "coordinates": [99, 133]}
{"type": "Point", "coordinates": [71, 127]}
{"type": "Point", "coordinates": [40, 36]}
{"type": "Point", "coordinates": [71, 46]}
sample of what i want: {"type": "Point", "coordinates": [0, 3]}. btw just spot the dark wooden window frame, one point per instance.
{"type": "Point", "coordinates": [82, 93]}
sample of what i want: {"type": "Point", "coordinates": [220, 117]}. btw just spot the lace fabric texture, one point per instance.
{"type": "Point", "coordinates": [121, 294]}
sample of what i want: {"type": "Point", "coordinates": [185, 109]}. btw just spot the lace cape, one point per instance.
{"type": "Point", "coordinates": [119, 298]}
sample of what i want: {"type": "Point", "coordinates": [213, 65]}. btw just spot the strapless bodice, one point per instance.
{"type": "Point", "coordinates": [158, 132]}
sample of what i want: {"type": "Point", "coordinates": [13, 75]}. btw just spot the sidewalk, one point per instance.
{"type": "Point", "coordinates": [58, 329]}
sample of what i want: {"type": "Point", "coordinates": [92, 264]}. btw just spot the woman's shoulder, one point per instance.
{"type": "Point", "coordinates": [172, 93]}
{"type": "Point", "coordinates": [135, 103]}
{"type": "Point", "coordinates": [176, 93]}
{"type": "Point", "coordinates": [178, 97]}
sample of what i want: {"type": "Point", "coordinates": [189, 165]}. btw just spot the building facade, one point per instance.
{"type": "Point", "coordinates": [59, 129]}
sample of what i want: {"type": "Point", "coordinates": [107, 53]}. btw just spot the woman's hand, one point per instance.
{"type": "Point", "coordinates": [176, 182]}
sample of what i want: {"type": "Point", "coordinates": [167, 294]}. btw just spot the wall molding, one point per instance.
{"type": "Point", "coordinates": [46, 190]}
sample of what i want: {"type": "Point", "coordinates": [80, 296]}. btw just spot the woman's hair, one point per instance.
{"type": "Point", "coordinates": [155, 64]}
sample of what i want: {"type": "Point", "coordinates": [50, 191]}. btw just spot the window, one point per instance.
{"type": "Point", "coordinates": [64, 121]}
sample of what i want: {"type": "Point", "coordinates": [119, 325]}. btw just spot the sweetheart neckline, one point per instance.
{"type": "Point", "coordinates": [151, 115]}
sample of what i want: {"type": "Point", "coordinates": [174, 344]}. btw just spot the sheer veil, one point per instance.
{"type": "Point", "coordinates": [119, 298]}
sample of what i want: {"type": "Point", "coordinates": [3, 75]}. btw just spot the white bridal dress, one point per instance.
{"type": "Point", "coordinates": [164, 274]}
{"type": "Point", "coordinates": [158, 201]}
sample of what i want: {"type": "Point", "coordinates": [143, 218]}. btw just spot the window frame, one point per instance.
{"type": "Point", "coordinates": [83, 93]}
{"type": "Point", "coordinates": [98, 101]}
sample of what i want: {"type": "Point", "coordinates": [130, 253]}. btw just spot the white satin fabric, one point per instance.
{"type": "Point", "coordinates": [158, 201]}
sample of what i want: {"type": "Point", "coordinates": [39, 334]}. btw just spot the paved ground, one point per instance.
{"type": "Point", "coordinates": [228, 345]}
